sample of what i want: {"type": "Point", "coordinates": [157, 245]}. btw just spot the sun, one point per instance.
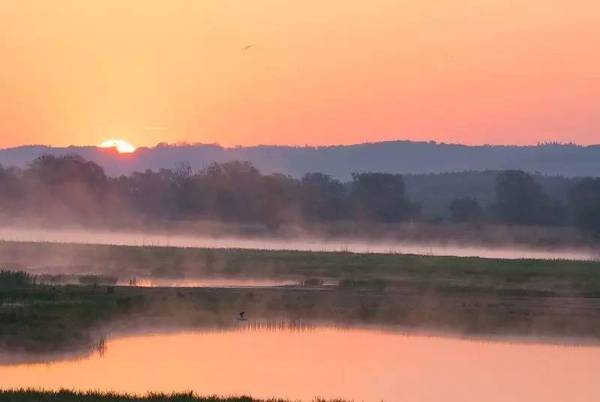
{"type": "Point", "coordinates": [122, 146]}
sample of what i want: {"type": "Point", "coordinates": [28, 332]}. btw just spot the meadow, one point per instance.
{"type": "Point", "coordinates": [550, 277]}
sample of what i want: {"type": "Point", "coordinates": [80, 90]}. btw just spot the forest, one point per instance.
{"type": "Point", "coordinates": [52, 189]}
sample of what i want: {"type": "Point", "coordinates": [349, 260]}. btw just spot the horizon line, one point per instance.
{"type": "Point", "coordinates": [183, 144]}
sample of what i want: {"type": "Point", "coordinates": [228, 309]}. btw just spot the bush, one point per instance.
{"type": "Point", "coordinates": [13, 279]}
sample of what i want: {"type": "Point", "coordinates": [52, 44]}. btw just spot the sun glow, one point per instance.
{"type": "Point", "coordinates": [122, 147]}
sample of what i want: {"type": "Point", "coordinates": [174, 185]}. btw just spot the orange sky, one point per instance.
{"type": "Point", "coordinates": [319, 72]}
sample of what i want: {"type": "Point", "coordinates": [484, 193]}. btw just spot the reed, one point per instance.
{"type": "Point", "coordinates": [74, 396]}
{"type": "Point", "coordinates": [13, 279]}
{"type": "Point", "coordinates": [23, 395]}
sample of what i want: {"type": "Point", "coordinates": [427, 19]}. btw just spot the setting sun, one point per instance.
{"type": "Point", "coordinates": [122, 147]}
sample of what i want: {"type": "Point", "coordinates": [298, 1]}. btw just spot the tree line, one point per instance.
{"type": "Point", "coordinates": [66, 188]}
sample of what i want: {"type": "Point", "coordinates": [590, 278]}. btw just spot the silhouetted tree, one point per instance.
{"type": "Point", "coordinates": [584, 200]}
{"type": "Point", "coordinates": [11, 191]}
{"type": "Point", "coordinates": [466, 210]}
{"type": "Point", "coordinates": [235, 186]}
{"type": "Point", "coordinates": [65, 187]}
{"type": "Point", "coordinates": [323, 198]}
{"type": "Point", "coordinates": [151, 194]}
{"type": "Point", "coordinates": [381, 197]}
{"type": "Point", "coordinates": [521, 200]}
{"type": "Point", "coordinates": [279, 200]}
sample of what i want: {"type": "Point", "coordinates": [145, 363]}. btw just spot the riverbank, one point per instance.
{"type": "Point", "coordinates": [552, 277]}
{"type": "Point", "coordinates": [461, 296]}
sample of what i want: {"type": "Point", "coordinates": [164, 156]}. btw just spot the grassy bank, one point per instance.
{"type": "Point", "coordinates": [555, 277]}
{"type": "Point", "coordinates": [458, 295]}
{"type": "Point", "coordinates": [69, 396]}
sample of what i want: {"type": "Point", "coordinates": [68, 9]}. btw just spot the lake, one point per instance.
{"type": "Point", "coordinates": [302, 363]}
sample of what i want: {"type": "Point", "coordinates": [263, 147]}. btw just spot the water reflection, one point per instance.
{"type": "Point", "coordinates": [101, 346]}
{"type": "Point", "coordinates": [274, 326]}
{"type": "Point", "coordinates": [298, 361]}
{"type": "Point", "coordinates": [205, 282]}
{"type": "Point", "coordinates": [212, 282]}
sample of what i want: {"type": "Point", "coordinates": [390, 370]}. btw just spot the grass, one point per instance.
{"type": "Point", "coordinates": [460, 295]}
{"type": "Point", "coordinates": [11, 279]}
{"type": "Point", "coordinates": [564, 277]}
{"type": "Point", "coordinates": [71, 396]}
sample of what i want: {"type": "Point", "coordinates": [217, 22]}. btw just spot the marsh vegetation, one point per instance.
{"type": "Point", "coordinates": [71, 396]}
{"type": "Point", "coordinates": [457, 295]}
{"type": "Point", "coordinates": [106, 263]}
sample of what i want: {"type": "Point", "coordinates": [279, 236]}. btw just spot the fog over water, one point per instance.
{"type": "Point", "coordinates": [297, 243]}
{"type": "Point", "coordinates": [356, 364]}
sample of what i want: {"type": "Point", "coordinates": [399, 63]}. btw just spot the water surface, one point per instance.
{"type": "Point", "coordinates": [359, 364]}
{"type": "Point", "coordinates": [206, 282]}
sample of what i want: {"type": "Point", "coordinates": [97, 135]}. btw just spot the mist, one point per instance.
{"type": "Point", "coordinates": [298, 243]}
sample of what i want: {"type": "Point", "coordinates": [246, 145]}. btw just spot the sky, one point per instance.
{"type": "Point", "coordinates": [241, 72]}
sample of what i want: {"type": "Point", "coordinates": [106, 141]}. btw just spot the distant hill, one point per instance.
{"type": "Point", "coordinates": [405, 157]}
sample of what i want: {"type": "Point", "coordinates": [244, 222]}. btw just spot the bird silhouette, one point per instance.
{"type": "Point", "coordinates": [248, 47]}
{"type": "Point", "coordinates": [242, 315]}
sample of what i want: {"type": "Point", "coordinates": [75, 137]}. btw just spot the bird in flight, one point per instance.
{"type": "Point", "coordinates": [248, 47]}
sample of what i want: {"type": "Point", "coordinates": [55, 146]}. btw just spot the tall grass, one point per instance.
{"type": "Point", "coordinates": [14, 279]}
{"type": "Point", "coordinates": [72, 396]}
